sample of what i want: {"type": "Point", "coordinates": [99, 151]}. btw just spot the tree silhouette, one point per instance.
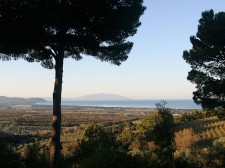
{"type": "Point", "coordinates": [207, 60]}
{"type": "Point", "coordinates": [48, 31]}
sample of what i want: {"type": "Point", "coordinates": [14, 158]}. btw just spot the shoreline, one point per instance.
{"type": "Point", "coordinates": [93, 109]}
{"type": "Point", "coordinates": [29, 106]}
{"type": "Point", "coordinates": [142, 104]}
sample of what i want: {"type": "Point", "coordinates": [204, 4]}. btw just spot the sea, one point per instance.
{"type": "Point", "coordinates": [173, 104]}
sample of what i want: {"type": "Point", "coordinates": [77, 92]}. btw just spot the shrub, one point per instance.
{"type": "Point", "coordinates": [185, 138]}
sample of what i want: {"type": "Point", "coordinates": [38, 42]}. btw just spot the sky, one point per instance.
{"type": "Point", "coordinates": [155, 68]}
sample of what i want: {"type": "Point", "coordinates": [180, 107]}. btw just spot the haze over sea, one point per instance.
{"type": "Point", "coordinates": [173, 104]}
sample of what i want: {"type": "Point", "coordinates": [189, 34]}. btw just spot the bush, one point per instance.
{"type": "Point", "coordinates": [108, 158]}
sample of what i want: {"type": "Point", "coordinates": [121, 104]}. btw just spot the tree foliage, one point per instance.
{"type": "Point", "coordinates": [36, 29]}
{"type": "Point", "coordinates": [48, 31]}
{"type": "Point", "coordinates": [207, 60]}
{"type": "Point", "coordinates": [154, 138]}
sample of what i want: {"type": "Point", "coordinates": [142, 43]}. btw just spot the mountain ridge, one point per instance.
{"type": "Point", "coordinates": [5, 99]}
{"type": "Point", "coordinates": [102, 96]}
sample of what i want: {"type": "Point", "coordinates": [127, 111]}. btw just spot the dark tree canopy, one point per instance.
{"type": "Point", "coordinates": [207, 60]}
{"type": "Point", "coordinates": [35, 29]}
{"type": "Point", "coordinates": [48, 31]}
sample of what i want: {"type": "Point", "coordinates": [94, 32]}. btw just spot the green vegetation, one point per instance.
{"type": "Point", "coordinates": [200, 142]}
{"type": "Point", "coordinates": [207, 60]}
{"type": "Point", "coordinates": [124, 144]}
{"type": "Point", "coordinates": [49, 31]}
{"type": "Point", "coordinates": [200, 135]}
{"type": "Point", "coordinates": [193, 139]}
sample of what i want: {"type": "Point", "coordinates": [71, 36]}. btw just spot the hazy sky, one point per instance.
{"type": "Point", "coordinates": [155, 68]}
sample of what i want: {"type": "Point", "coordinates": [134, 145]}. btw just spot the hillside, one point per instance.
{"type": "Point", "coordinates": [4, 99]}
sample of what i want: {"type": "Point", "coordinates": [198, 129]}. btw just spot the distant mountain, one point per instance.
{"type": "Point", "coordinates": [102, 96]}
{"type": "Point", "coordinates": [4, 99]}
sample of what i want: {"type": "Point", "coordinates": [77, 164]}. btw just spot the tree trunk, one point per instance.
{"type": "Point", "coordinates": [55, 150]}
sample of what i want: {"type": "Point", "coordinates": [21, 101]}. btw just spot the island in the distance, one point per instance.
{"type": "Point", "coordinates": [100, 97]}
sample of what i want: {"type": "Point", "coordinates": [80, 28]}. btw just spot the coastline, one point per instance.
{"type": "Point", "coordinates": [186, 104]}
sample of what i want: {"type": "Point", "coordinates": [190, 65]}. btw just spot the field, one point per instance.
{"type": "Point", "coordinates": [28, 119]}
{"type": "Point", "coordinates": [199, 133]}
{"type": "Point", "coordinates": [31, 119]}
{"type": "Point", "coordinates": [139, 133]}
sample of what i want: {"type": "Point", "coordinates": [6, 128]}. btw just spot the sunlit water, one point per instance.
{"type": "Point", "coordinates": [174, 104]}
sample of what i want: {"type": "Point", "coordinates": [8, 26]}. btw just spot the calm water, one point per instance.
{"type": "Point", "coordinates": [174, 104]}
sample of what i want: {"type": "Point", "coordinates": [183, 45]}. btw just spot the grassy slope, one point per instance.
{"type": "Point", "coordinates": [200, 133]}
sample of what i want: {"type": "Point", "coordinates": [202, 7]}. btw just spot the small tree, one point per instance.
{"type": "Point", "coordinates": [157, 130]}
{"type": "Point", "coordinates": [207, 60]}
{"type": "Point", "coordinates": [163, 133]}
{"type": "Point", "coordinates": [48, 31]}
